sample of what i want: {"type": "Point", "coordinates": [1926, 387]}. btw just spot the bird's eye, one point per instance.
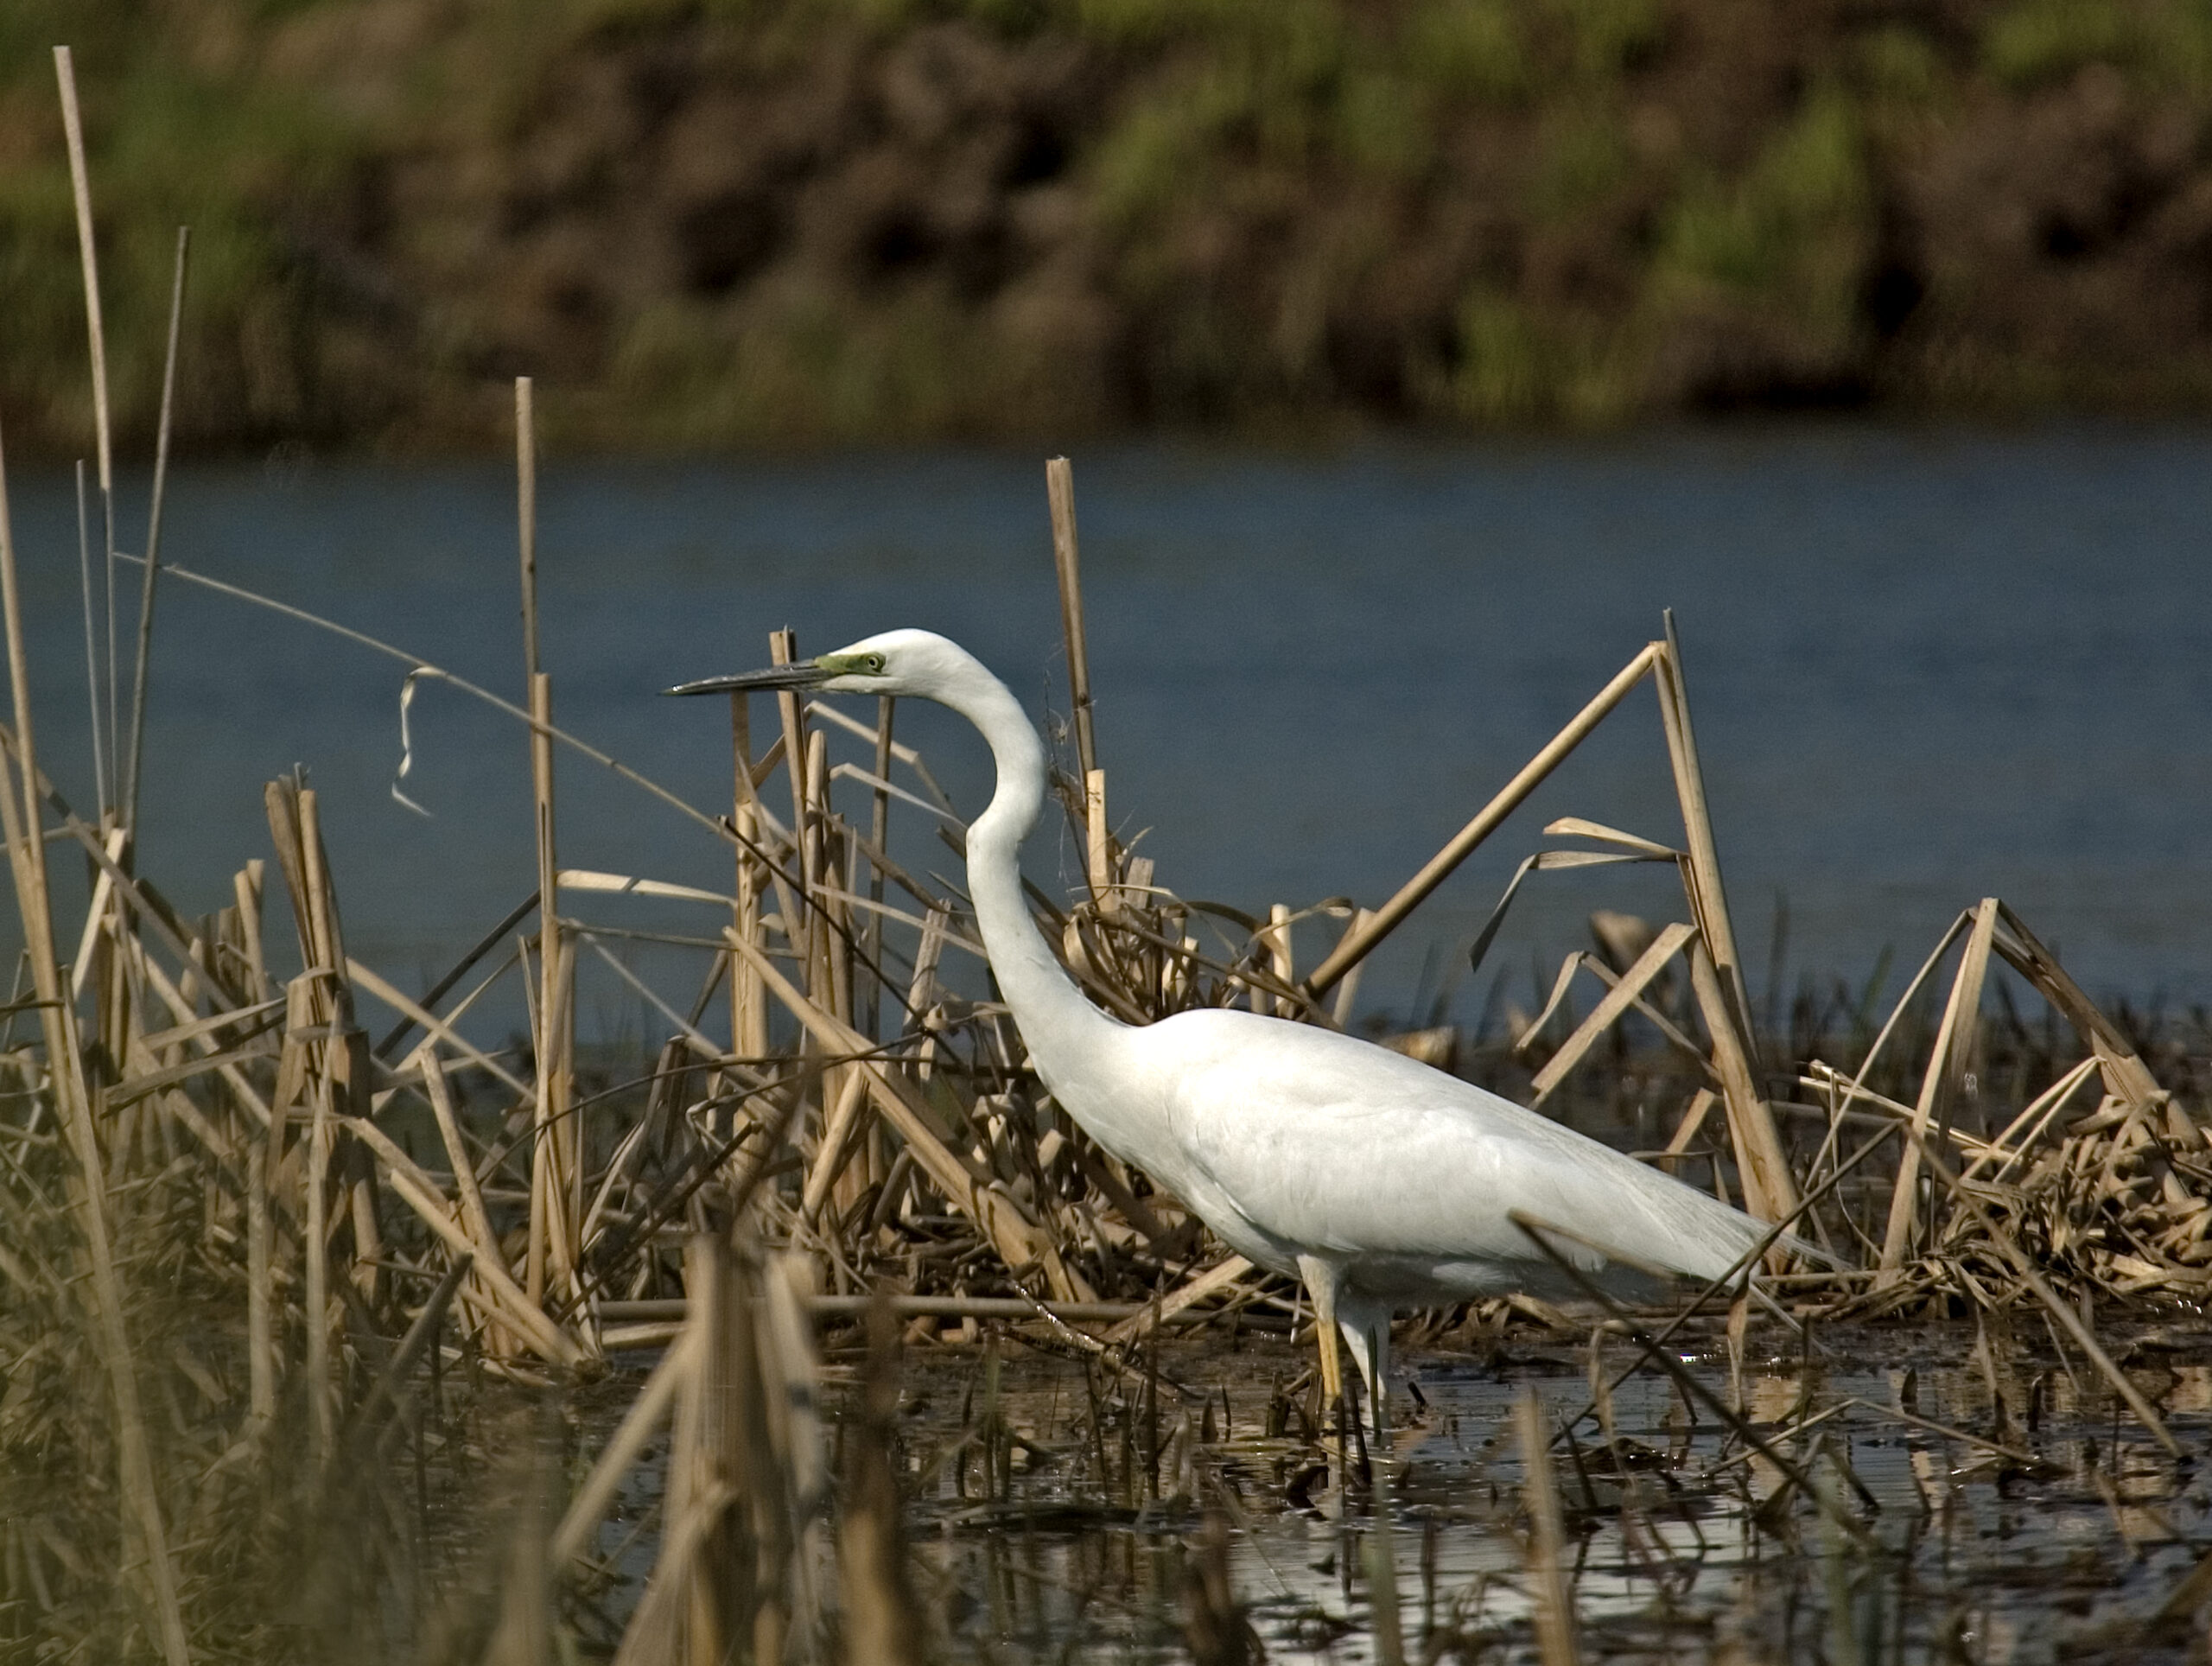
{"type": "Point", "coordinates": [872, 663]}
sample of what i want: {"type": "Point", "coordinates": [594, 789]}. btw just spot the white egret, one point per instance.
{"type": "Point", "coordinates": [1378, 1181]}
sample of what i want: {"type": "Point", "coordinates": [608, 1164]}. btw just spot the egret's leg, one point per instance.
{"type": "Point", "coordinates": [1366, 1327]}
{"type": "Point", "coordinates": [1320, 1281]}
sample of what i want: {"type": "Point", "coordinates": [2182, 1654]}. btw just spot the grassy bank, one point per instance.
{"type": "Point", "coordinates": [806, 221]}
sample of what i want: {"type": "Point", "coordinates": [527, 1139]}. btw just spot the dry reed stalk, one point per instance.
{"type": "Point", "coordinates": [1762, 1165]}
{"type": "Point", "coordinates": [345, 1050]}
{"type": "Point", "coordinates": [749, 1015]}
{"type": "Point", "coordinates": [2034, 1117]}
{"type": "Point", "coordinates": [246, 886]}
{"type": "Point", "coordinates": [673, 1309]}
{"type": "Point", "coordinates": [880, 834]}
{"type": "Point", "coordinates": [1553, 1607]}
{"type": "Point", "coordinates": [316, 1284]}
{"type": "Point", "coordinates": [1002, 1220]}
{"type": "Point", "coordinates": [438, 1030]}
{"type": "Point", "coordinates": [386, 1389]}
{"type": "Point", "coordinates": [1709, 898]}
{"type": "Point", "coordinates": [1959, 1012]}
{"type": "Point", "coordinates": [624, 1449]}
{"type": "Point", "coordinates": [280, 799]}
{"type": "Point", "coordinates": [556, 1185]}
{"type": "Point", "coordinates": [19, 820]}
{"type": "Point", "coordinates": [134, 754]}
{"type": "Point", "coordinates": [92, 650]}
{"type": "Point", "coordinates": [474, 1215]}
{"type": "Point", "coordinates": [1610, 1009]}
{"type": "Point", "coordinates": [1224, 1275]}
{"type": "Point", "coordinates": [1059, 492]}
{"type": "Point", "coordinates": [96, 916]}
{"type": "Point", "coordinates": [527, 517]}
{"type": "Point", "coordinates": [747, 1031]}
{"type": "Point", "coordinates": [225, 1064]}
{"type": "Point", "coordinates": [2127, 1076]}
{"type": "Point", "coordinates": [1348, 986]}
{"type": "Point", "coordinates": [260, 1340]}
{"type": "Point", "coordinates": [830, 1155]}
{"type": "Point", "coordinates": [708, 1456]}
{"type": "Point", "coordinates": [1360, 942]}
{"type": "Point", "coordinates": [512, 1304]}
{"type": "Point", "coordinates": [548, 1171]}
{"type": "Point", "coordinates": [1580, 961]}
{"type": "Point", "coordinates": [1694, 1114]}
{"type": "Point", "coordinates": [64, 74]}
{"type": "Point", "coordinates": [1279, 964]}
{"type": "Point", "coordinates": [292, 1071]}
{"type": "Point", "coordinates": [1099, 842]}
{"type": "Point", "coordinates": [566, 1126]}
{"type": "Point", "coordinates": [783, 649]}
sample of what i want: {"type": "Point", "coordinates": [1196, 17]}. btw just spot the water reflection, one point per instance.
{"type": "Point", "coordinates": [1055, 1506]}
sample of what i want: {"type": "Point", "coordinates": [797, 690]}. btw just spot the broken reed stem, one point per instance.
{"type": "Point", "coordinates": [549, 1147]}
{"type": "Point", "coordinates": [1059, 491]}
{"type": "Point", "coordinates": [2127, 1076]}
{"type": "Point", "coordinates": [745, 906]}
{"type": "Point", "coordinates": [1762, 1162]}
{"type": "Point", "coordinates": [1716, 970]}
{"type": "Point", "coordinates": [527, 517]}
{"type": "Point", "coordinates": [880, 832]}
{"type": "Point", "coordinates": [1359, 942]}
{"type": "Point", "coordinates": [622, 1454]}
{"type": "Point", "coordinates": [135, 756]}
{"type": "Point", "coordinates": [314, 1212]}
{"type": "Point", "coordinates": [799, 926]}
{"type": "Point", "coordinates": [261, 1348]}
{"type": "Point", "coordinates": [555, 1181]}
{"type": "Point", "coordinates": [1554, 1607]}
{"type": "Point", "coordinates": [1711, 897]}
{"type": "Point", "coordinates": [65, 73]}
{"type": "Point", "coordinates": [1098, 840]}
{"type": "Point", "coordinates": [1959, 1012]}
{"type": "Point", "coordinates": [91, 650]}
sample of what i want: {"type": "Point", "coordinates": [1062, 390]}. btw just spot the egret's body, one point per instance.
{"type": "Point", "coordinates": [1378, 1181]}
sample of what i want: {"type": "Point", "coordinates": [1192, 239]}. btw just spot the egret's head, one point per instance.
{"type": "Point", "coordinates": [919, 663]}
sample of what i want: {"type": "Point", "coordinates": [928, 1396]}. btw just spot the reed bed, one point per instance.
{"type": "Point", "coordinates": [293, 1306]}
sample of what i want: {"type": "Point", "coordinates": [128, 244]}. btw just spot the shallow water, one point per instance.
{"type": "Point", "coordinates": [1065, 1550]}
{"type": "Point", "coordinates": [1925, 665]}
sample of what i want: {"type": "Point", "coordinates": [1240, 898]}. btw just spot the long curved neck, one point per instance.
{"type": "Point", "coordinates": [1062, 1030]}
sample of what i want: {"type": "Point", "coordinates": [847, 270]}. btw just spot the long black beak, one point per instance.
{"type": "Point", "coordinates": [805, 675]}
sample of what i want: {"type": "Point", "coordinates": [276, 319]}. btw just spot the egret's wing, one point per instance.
{"type": "Point", "coordinates": [1328, 1142]}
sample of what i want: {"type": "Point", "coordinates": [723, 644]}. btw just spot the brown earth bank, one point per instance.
{"type": "Point", "coordinates": [820, 221]}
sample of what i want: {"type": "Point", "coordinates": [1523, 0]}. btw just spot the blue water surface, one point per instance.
{"type": "Point", "coordinates": [1925, 665]}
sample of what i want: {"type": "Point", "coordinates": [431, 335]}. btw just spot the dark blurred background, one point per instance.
{"type": "Point", "coordinates": [709, 223]}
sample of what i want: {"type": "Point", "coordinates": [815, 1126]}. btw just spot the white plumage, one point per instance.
{"type": "Point", "coordinates": [1380, 1182]}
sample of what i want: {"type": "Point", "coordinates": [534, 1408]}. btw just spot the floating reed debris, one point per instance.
{"type": "Point", "coordinates": [263, 1275]}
